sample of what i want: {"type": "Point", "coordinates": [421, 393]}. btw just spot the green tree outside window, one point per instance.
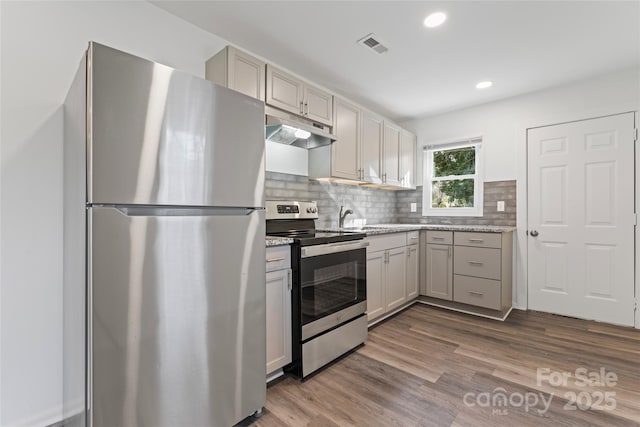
{"type": "Point", "coordinates": [453, 192]}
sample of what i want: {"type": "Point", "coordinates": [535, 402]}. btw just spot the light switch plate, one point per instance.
{"type": "Point", "coordinates": [414, 207]}
{"type": "Point", "coordinates": [500, 206]}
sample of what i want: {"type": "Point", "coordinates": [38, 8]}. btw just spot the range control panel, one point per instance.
{"type": "Point", "coordinates": [288, 209]}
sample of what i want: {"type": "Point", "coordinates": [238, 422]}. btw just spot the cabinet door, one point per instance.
{"type": "Point", "coordinates": [278, 319]}
{"type": "Point", "coordinates": [284, 91]}
{"type": "Point", "coordinates": [413, 258]}
{"type": "Point", "coordinates": [371, 147]}
{"type": "Point", "coordinates": [396, 279]}
{"type": "Point", "coordinates": [318, 105]}
{"type": "Point", "coordinates": [375, 284]}
{"type": "Point", "coordinates": [345, 150]}
{"type": "Point", "coordinates": [408, 159]}
{"type": "Point", "coordinates": [439, 271]}
{"type": "Point", "coordinates": [246, 74]}
{"type": "Point", "coordinates": [391, 151]}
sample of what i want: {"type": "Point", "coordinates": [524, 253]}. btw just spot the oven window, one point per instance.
{"type": "Point", "coordinates": [331, 283]}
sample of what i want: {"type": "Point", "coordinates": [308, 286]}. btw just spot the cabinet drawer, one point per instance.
{"type": "Point", "coordinates": [440, 237]}
{"type": "Point", "coordinates": [477, 262]}
{"type": "Point", "coordinates": [481, 240]}
{"type": "Point", "coordinates": [413, 237]}
{"type": "Point", "coordinates": [386, 241]}
{"type": "Point", "coordinates": [476, 291]}
{"type": "Point", "coordinates": [278, 257]}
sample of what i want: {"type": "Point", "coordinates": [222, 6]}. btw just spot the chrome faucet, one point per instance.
{"type": "Point", "coordinates": [343, 216]}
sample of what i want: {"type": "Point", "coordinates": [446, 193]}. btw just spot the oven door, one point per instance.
{"type": "Point", "coordinates": [333, 285]}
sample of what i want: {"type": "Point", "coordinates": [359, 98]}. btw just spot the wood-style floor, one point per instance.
{"type": "Point", "coordinates": [417, 368]}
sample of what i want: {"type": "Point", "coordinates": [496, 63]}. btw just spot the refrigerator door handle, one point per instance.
{"type": "Point", "coordinates": [136, 210]}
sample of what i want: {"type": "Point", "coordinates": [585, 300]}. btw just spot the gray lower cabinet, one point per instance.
{"type": "Point", "coordinates": [393, 263]}
{"type": "Point", "coordinates": [472, 268]}
{"type": "Point", "coordinates": [439, 271]}
{"type": "Point", "coordinates": [396, 278]}
{"type": "Point", "coordinates": [386, 281]}
{"type": "Point", "coordinates": [438, 259]}
{"type": "Point", "coordinates": [482, 269]}
{"type": "Point", "coordinates": [376, 266]}
{"type": "Point", "coordinates": [413, 264]}
{"type": "Point", "coordinates": [278, 321]}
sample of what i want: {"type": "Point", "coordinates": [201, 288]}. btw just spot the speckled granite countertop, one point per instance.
{"type": "Point", "coordinates": [374, 229]}
{"type": "Point", "coordinates": [277, 241]}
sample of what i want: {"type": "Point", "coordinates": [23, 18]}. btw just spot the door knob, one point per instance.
{"type": "Point", "coordinates": [534, 233]}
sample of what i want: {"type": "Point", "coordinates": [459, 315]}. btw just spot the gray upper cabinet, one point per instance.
{"type": "Point", "coordinates": [356, 153]}
{"type": "Point", "coordinates": [291, 94]}
{"type": "Point", "coordinates": [391, 155]}
{"type": "Point", "coordinates": [345, 152]}
{"type": "Point", "coordinates": [371, 147]}
{"type": "Point", "coordinates": [284, 91]}
{"type": "Point", "coordinates": [237, 70]}
{"type": "Point", "coordinates": [408, 159]}
{"type": "Point", "coordinates": [318, 105]}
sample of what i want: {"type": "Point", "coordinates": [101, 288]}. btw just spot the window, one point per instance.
{"type": "Point", "coordinates": [453, 183]}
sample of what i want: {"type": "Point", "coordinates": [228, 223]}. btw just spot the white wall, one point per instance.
{"type": "Point", "coordinates": [502, 123]}
{"type": "Point", "coordinates": [503, 126]}
{"type": "Point", "coordinates": [41, 46]}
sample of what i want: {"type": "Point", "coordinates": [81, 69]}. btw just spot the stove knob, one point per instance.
{"type": "Point", "coordinates": [314, 210]}
{"type": "Point", "coordinates": [309, 210]}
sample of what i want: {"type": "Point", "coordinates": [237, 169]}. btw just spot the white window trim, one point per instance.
{"type": "Point", "coordinates": [478, 189]}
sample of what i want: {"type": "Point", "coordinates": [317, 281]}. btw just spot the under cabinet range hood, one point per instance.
{"type": "Point", "coordinates": [286, 128]}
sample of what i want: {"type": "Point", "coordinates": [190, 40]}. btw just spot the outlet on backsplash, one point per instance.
{"type": "Point", "coordinates": [413, 207]}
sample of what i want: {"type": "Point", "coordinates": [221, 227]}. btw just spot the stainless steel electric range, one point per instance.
{"type": "Point", "coordinates": [329, 295]}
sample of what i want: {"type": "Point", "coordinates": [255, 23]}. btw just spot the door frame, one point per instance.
{"type": "Point", "coordinates": [521, 288]}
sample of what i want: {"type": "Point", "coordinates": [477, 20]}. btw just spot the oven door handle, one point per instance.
{"type": "Point", "coordinates": [332, 248]}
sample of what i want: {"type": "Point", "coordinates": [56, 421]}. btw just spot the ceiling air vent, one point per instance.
{"type": "Point", "coordinates": [371, 41]}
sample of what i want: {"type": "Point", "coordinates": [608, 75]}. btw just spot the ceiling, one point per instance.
{"type": "Point", "coordinates": [520, 46]}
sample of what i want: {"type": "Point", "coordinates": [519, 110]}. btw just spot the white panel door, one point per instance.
{"type": "Point", "coordinates": [581, 219]}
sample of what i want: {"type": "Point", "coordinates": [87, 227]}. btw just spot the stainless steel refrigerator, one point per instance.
{"type": "Point", "coordinates": [164, 282]}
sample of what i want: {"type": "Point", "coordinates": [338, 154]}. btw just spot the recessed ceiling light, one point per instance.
{"type": "Point", "coordinates": [434, 20]}
{"type": "Point", "coordinates": [484, 85]}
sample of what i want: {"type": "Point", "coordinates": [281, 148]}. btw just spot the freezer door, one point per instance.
{"type": "Point", "coordinates": [177, 317]}
{"type": "Point", "coordinates": [158, 136]}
